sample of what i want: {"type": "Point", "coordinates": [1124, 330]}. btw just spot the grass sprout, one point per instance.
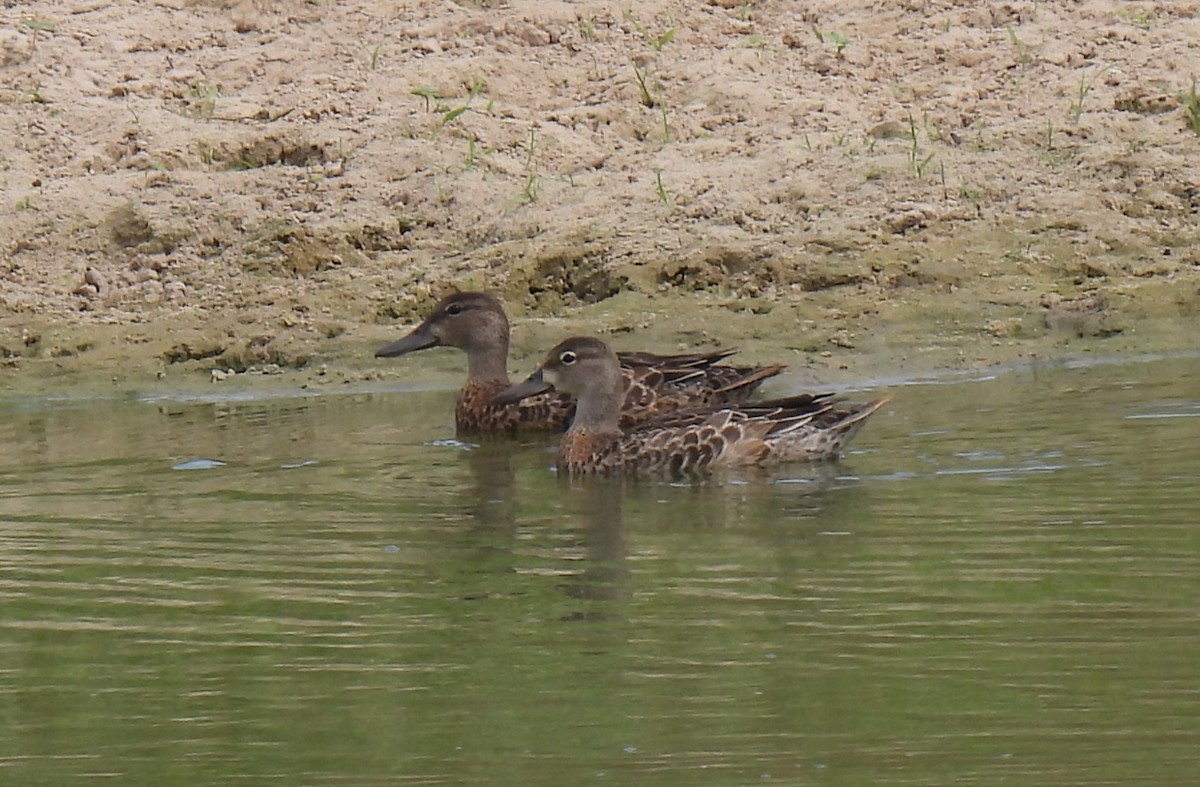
{"type": "Point", "coordinates": [661, 190]}
{"type": "Point", "coordinates": [373, 56]}
{"type": "Point", "coordinates": [204, 99]}
{"type": "Point", "coordinates": [656, 40]}
{"type": "Point", "coordinates": [839, 41]}
{"type": "Point", "coordinates": [533, 181]}
{"type": "Point", "coordinates": [1191, 108]}
{"type": "Point", "coordinates": [917, 160]}
{"type": "Point", "coordinates": [37, 26]}
{"type": "Point", "coordinates": [427, 93]}
{"type": "Point", "coordinates": [646, 99]}
{"type": "Point", "coordinates": [1085, 87]}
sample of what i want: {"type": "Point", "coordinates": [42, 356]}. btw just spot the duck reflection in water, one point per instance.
{"type": "Point", "coordinates": [590, 512]}
{"type": "Point", "coordinates": [604, 576]}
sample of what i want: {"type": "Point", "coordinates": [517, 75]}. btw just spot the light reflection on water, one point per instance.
{"type": "Point", "coordinates": [999, 582]}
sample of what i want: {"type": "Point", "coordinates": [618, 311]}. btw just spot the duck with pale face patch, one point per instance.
{"type": "Point", "coordinates": [807, 427]}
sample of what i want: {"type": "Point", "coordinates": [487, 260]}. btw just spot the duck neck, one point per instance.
{"type": "Point", "coordinates": [488, 361]}
{"type": "Point", "coordinates": [599, 408]}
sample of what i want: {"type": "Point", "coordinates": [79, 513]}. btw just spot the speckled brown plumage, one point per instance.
{"type": "Point", "coordinates": [804, 427]}
{"type": "Point", "coordinates": [475, 412]}
{"type": "Point", "coordinates": [653, 384]}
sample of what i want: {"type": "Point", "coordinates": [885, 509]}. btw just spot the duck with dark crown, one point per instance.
{"type": "Point", "coordinates": [806, 427]}
{"type": "Point", "coordinates": [651, 384]}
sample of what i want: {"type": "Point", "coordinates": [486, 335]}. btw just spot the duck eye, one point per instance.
{"type": "Point", "coordinates": [454, 309]}
{"type": "Point", "coordinates": [567, 358]}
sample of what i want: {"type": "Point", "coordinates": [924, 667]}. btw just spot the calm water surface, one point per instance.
{"type": "Point", "coordinates": [999, 584]}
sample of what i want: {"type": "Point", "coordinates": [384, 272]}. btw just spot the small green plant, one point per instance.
{"type": "Point", "coordinates": [373, 56]}
{"type": "Point", "coordinates": [657, 41]}
{"type": "Point", "coordinates": [204, 99]}
{"type": "Point", "coordinates": [932, 132]}
{"type": "Point", "coordinates": [918, 165]}
{"type": "Point", "coordinates": [659, 189]}
{"type": "Point", "coordinates": [838, 40]}
{"type": "Point", "coordinates": [587, 28]}
{"type": "Point", "coordinates": [37, 26]}
{"type": "Point", "coordinates": [476, 86]}
{"type": "Point", "coordinates": [427, 93]}
{"type": "Point", "coordinates": [1085, 87]}
{"type": "Point", "coordinates": [1191, 108]}
{"type": "Point", "coordinates": [208, 153]}
{"type": "Point", "coordinates": [1139, 18]}
{"type": "Point", "coordinates": [917, 161]}
{"type": "Point", "coordinates": [533, 181]}
{"type": "Point", "coordinates": [1022, 49]}
{"type": "Point", "coordinates": [35, 96]}
{"type": "Point", "coordinates": [533, 184]}
{"type": "Point", "coordinates": [25, 203]}
{"type": "Point", "coordinates": [449, 115]}
{"type": "Point", "coordinates": [646, 99]}
{"type": "Point", "coordinates": [474, 153]}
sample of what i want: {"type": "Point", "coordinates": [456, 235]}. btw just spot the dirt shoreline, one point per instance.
{"type": "Point", "coordinates": [860, 189]}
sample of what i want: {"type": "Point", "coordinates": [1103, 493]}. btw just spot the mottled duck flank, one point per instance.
{"type": "Point", "coordinates": [651, 384]}
{"type": "Point", "coordinates": [806, 427]}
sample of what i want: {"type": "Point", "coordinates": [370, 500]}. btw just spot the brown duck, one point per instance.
{"type": "Point", "coordinates": [797, 428]}
{"type": "Point", "coordinates": [650, 384]}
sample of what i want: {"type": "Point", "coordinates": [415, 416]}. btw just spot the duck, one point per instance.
{"type": "Point", "coordinates": [651, 384]}
{"type": "Point", "coordinates": [803, 427]}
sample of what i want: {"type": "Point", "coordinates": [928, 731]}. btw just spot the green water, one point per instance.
{"type": "Point", "coordinates": [1000, 583]}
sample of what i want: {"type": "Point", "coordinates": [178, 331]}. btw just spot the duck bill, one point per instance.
{"type": "Point", "coordinates": [419, 339]}
{"type": "Point", "coordinates": [531, 387]}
